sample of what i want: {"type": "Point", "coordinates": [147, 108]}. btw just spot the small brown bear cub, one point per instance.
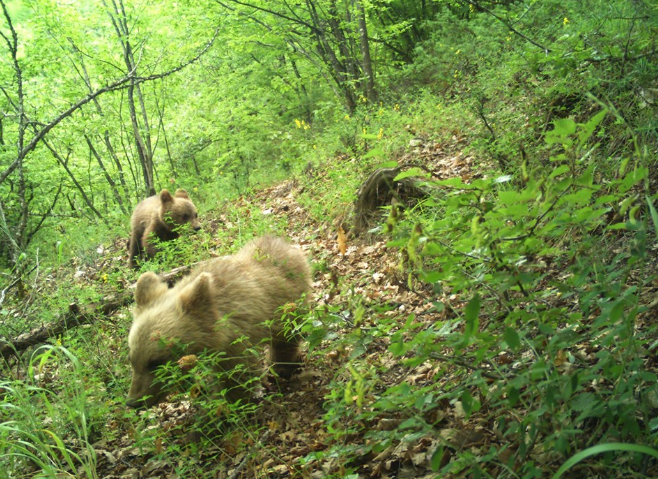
{"type": "Point", "coordinates": [226, 305]}
{"type": "Point", "coordinates": [158, 216]}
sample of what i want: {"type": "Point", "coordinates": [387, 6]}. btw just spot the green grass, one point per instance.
{"type": "Point", "coordinates": [49, 430]}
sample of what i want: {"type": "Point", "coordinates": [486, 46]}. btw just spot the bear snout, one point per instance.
{"type": "Point", "coordinates": [143, 402]}
{"type": "Point", "coordinates": [144, 392]}
{"type": "Point", "coordinates": [196, 228]}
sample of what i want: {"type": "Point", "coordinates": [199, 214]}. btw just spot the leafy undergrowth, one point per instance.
{"type": "Point", "coordinates": [433, 349]}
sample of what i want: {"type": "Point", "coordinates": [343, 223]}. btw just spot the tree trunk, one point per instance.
{"type": "Point", "coordinates": [117, 163]}
{"type": "Point", "coordinates": [109, 179]}
{"type": "Point", "coordinates": [106, 135]}
{"type": "Point", "coordinates": [371, 93]}
{"type": "Point", "coordinates": [16, 235]}
{"type": "Point", "coordinates": [141, 133]}
{"type": "Point", "coordinates": [329, 57]}
{"type": "Point", "coordinates": [161, 127]}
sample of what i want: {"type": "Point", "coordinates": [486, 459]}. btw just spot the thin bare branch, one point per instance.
{"type": "Point", "coordinates": [117, 85]}
{"type": "Point", "coordinates": [507, 24]}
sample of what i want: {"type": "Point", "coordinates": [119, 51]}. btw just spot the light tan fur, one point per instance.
{"type": "Point", "coordinates": [222, 306]}
{"type": "Point", "coordinates": [158, 216]}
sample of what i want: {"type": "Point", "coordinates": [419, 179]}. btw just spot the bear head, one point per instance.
{"type": "Point", "coordinates": [178, 210]}
{"type": "Point", "coordinates": [167, 324]}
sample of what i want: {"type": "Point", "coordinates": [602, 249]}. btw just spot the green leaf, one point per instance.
{"type": "Point", "coordinates": [512, 338]}
{"type": "Point", "coordinates": [601, 448]}
{"type": "Point", "coordinates": [415, 171]}
{"type": "Point", "coordinates": [431, 276]}
{"type": "Point", "coordinates": [509, 198]}
{"type": "Point", "coordinates": [589, 127]}
{"type": "Point", "coordinates": [632, 178]}
{"type": "Point", "coordinates": [373, 152]}
{"type": "Point", "coordinates": [586, 178]}
{"type": "Point", "coordinates": [654, 214]}
{"type": "Point", "coordinates": [584, 402]}
{"type": "Point", "coordinates": [471, 313]}
{"type": "Point", "coordinates": [623, 165]}
{"type": "Point", "coordinates": [564, 126]}
{"type": "Point", "coordinates": [561, 130]}
{"type": "Point", "coordinates": [316, 337]}
{"type": "Point", "coordinates": [455, 181]}
{"type": "Point", "coordinates": [559, 170]}
{"type": "Point", "coordinates": [437, 457]}
{"type": "Point", "coordinates": [431, 249]}
{"type": "Point", "coordinates": [467, 402]}
{"type": "Point", "coordinates": [397, 345]}
{"type": "Point", "coordinates": [653, 424]}
{"type": "Point", "coordinates": [579, 197]}
{"type": "Point", "coordinates": [617, 310]}
{"type": "Point", "coordinates": [616, 226]}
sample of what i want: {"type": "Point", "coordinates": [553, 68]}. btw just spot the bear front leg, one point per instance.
{"type": "Point", "coordinates": [237, 378]}
{"type": "Point", "coordinates": [149, 245]}
{"type": "Point", "coordinates": [134, 251]}
{"type": "Point", "coordinates": [284, 355]}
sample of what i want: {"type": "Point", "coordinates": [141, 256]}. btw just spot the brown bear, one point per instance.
{"type": "Point", "coordinates": [226, 305]}
{"type": "Point", "coordinates": [158, 216]}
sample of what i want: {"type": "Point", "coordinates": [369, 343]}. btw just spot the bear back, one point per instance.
{"type": "Point", "coordinates": [226, 305]}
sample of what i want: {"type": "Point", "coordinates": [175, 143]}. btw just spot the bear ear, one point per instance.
{"type": "Point", "coordinates": [196, 298]}
{"type": "Point", "coordinates": [182, 194]}
{"type": "Point", "coordinates": [149, 288]}
{"type": "Point", "coordinates": [165, 196]}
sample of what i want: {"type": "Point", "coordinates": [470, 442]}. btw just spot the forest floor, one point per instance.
{"type": "Point", "coordinates": [288, 434]}
{"type": "Point", "coordinates": [290, 426]}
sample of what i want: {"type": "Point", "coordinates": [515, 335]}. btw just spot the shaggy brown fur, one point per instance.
{"type": "Point", "coordinates": [158, 216]}
{"type": "Point", "coordinates": [228, 305]}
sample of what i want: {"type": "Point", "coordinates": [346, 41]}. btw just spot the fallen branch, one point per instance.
{"type": "Point", "coordinates": [77, 315]}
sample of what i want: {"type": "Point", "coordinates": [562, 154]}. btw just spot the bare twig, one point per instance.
{"type": "Point", "coordinates": [464, 364]}
{"type": "Point", "coordinates": [508, 25]}
{"type": "Point", "coordinates": [117, 85]}
{"type": "Point", "coordinates": [245, 460]}
{"type": "Point", "coordinates": [296, 20]}
{"type": "Point", "coordinates": [538, 219]}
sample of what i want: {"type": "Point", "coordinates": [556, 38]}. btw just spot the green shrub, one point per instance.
{"type": "Point", "coordinates": [548, 313]}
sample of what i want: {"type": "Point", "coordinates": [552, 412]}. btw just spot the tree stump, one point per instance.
{"type": "Point", "coordinates": [379, 190]}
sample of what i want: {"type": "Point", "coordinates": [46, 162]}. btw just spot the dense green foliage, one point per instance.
{"type": "Point", "coordinates": [540, 266]}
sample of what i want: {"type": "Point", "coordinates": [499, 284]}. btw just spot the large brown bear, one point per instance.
{"type": "Point", "coordinates": [158, 216]}
{"type": "Point", "coordinates": [226, 305]}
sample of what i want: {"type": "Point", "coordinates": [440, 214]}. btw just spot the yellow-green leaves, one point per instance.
{"type": "Point", "coordinates": [570, 134]}
{"type": "Point", "coordinates": [471, 316]}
